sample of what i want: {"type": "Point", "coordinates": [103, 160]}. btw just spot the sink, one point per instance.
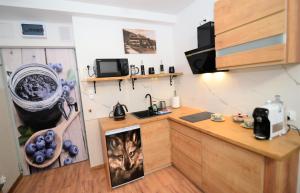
{"type": "Point", "coordinates": [143, 114]}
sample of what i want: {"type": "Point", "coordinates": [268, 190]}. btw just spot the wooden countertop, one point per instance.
{"type": "Point", "coordinates": [228, 131]}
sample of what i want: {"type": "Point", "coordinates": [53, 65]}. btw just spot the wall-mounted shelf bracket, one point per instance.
{"type": "Point", "coordinates": [132, 82]}
{"type": "Point", "coordinates": [171, 79]}
{"type": "Point", "coordinates": [120, 85]}
{"type": "Point", "coordinates": [95, 87]}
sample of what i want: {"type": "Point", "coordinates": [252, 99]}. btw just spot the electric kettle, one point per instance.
{"type": "Point", "coordinates": [118, 112]}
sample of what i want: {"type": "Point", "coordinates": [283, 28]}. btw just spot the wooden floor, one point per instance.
{"type": "Point", "coordinates": [79, 178]}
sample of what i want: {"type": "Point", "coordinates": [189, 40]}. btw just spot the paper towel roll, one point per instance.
{"type": "Point", "coordinates": [175, 102]}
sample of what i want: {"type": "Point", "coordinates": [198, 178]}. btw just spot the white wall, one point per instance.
{"type": "Point", "coordinates": [9, 156]}
{"type": "Point", "coordinates": [237, 90]}
{"type": "Point", "coordinates": [103, 38]}
{"type": "Point", "coordinates": [58, 34]}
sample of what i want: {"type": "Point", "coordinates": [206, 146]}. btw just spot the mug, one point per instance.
{"type": "Point", "coordinates": [171, 69]}
{"type": "Point", "coordinates": [134, 70]}
{"type": "Point", "coordinates": [151, 70]}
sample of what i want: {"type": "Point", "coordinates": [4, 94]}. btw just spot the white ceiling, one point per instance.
{"type": "Point", "coordinates": [162, 6]}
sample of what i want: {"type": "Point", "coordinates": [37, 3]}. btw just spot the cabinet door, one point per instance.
{"type": "Point", "coordinates": [156, 145]}
{"type": "Point", "coordinates": [229, 169]}
{"type": "Point", "coordinates": [244, 39]}
{"type": "Point", "coordinates": [188, 146]}
{"type": "Point", "coordinates": [188, 167]}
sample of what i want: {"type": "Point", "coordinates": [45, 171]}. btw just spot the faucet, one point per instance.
{"type": "Point", "coordinates": [150, 98]}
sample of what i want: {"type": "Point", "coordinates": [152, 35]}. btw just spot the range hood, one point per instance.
{"type": "Point", "coordinates": [202, 61]}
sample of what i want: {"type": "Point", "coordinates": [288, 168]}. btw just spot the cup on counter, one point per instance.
{"type": "Point", "coordinates": [249, 122]}
{"type": "Point", "coordinates": [217, 116]}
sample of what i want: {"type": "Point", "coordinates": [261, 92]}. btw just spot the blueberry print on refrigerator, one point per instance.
{"type": "Point", "coordinates": [45, 98]}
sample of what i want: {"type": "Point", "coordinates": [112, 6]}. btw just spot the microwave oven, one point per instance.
{"type": "Point", "coordinates": [111, 67]}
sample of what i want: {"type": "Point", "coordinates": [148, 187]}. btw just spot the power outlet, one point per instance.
{"type": "Point", "coordinates": [292, 115]}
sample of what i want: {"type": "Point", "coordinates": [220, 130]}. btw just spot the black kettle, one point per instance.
{"type": "Point", "coordinates": [118, 112]}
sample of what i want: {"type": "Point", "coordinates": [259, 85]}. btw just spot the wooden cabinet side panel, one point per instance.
{"type": "Point", "coordinates": [227, 168]}
{"type": "Point", "coordinates": [281, 176]}
{"type": "Point", "coordinates": [293, 31]}
{"type": "Point", "coordinates": [230, 14]}
{"type": "Point", "coordinates": [156, 145]}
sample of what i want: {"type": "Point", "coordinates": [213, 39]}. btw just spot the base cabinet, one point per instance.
{"type": "Point", "coordinates": [156, 145]}
{"type": "Point", "coordinates": [216, 166]}
{"type": "Point", "coordinates": [227, 168]}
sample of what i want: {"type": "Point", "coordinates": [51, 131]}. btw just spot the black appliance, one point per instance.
{"type": "Point", "coordinates": [111, 67]}
{"type": "Point", "coordinates": [261, 123]}
{"type": "Point", "coordinates": [118, 112]}
{"type": "Point", "coordinates": [206, 35]}
{"type": "Point", "coordinates": [203, 59]}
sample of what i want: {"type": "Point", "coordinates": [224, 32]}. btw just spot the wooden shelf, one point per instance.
{"type": "Point", "coordinates": [156, 75]}
{"type": "Point", "coordinates": [107, 79]}
{"type": "Point", "coordinates": [133, 78]}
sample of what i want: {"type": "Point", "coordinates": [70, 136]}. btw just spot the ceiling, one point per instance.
{"type": "Point", "coordinates": [162, 6]}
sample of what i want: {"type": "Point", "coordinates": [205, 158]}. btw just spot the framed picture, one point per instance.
{"type": "Point", "coordinates": [139, 41]}
{"type": "Point", "coordinates": [33, 30]}
{"type": "Point", "coordinates": [125, 155]}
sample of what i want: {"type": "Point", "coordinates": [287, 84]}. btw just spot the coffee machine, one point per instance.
{"type": "Point", "coordinates": [269, 120]}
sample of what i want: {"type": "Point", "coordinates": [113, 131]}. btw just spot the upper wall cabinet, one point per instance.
{"type": "Point", "coordinates": [257, 32]}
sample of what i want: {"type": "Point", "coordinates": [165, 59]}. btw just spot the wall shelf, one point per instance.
{"type": "Point", "coordinates": [119, 79]}
{"type": "Point", "coordinates": [133, 78]}
{"type": "Point", "coordinates": [171, 75]}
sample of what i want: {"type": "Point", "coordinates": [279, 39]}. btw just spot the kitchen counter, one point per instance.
{"type": "Point", "coordinates": [229, 131]}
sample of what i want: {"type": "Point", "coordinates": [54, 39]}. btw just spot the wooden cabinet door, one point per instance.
{"type": "Point", "coordinates": [250, 33]}
{"type": "Point", "coordinates": [191, 169]}
{"type": "Point", "coordinates": [229, 169]}
{"type": "Point", "coordinates": [156, 145]}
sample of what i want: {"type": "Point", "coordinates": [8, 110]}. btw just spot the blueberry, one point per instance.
{"type": "Point", "coordinates": [39, 138]}
{"type": "Point", "coordinates": [39, 158]}
{"type": "Point", "coordinates": [71, 83]}
{"type": "Point", "coordinates": [49, 138]}
{"type": "Point", "coordinates": [51, 145]}
{"type": "Point", "coordinates": [30, 149]}
{"type": "Point", "coordinates": [66, 90]}
{"type": "Point", "coordinates": [67, 144]}
{"type": "Point", "coordinates": [52, 66]}
{"type": "Point", "coordinates": [63, 82]}
{"type": "Point", "coordinates": [59, 67]}
{"type": "Point", "coordinates": [40, 144]}
{"type": "Point", "coordinates": [68, 161]}
{"type": "Point", "coordinates": [50, 132]}
{"type": "Point", "coordinates": [73, 150]}
{"type": "Point", "coordinates": [49, 153]}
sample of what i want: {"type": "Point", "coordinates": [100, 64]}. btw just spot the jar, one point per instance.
{"type": "Point", "coordinates": [38, 106]}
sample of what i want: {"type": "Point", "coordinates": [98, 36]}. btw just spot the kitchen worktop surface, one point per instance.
{"type": "Point", "coordinates": [229, 131]}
